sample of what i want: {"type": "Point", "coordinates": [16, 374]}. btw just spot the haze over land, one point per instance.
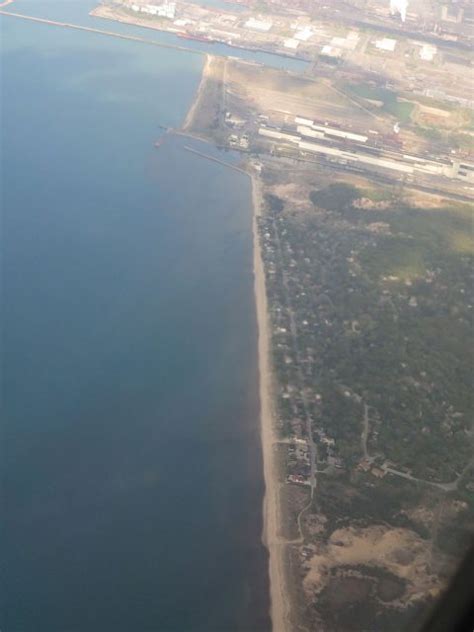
{"type": "Point", "coordinates": [364, 185]}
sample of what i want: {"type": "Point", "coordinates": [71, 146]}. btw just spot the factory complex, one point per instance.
{"type": "Point", "coordinates": [321, 42]}
{"type": "Point", "coordinates": [373, 100]}
{"type": "Point", "coordinates": [345, 147]}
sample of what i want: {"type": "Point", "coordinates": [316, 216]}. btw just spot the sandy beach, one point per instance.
{"type": "Point", "coordinates": [279, 607]}
{"type": "Point", "coordinates": [191, 115]}
{"type": "Point", "coordinates": [276, 545]}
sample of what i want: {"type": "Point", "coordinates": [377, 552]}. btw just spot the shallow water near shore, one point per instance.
{"type": "Point", "coordinates": [132, 470]}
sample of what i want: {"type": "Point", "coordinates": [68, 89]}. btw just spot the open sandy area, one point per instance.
{"type": "Point", "coordinates": [207, 73]}
{"type": "Point", "coordinates": [399, 551]}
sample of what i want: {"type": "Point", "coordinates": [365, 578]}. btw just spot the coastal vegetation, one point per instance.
{"type": "Point", "coordinates": [368, 289]}
{"type": "Point", "coordinates": [371, 301]}
{"type": "Point", "coordinates": [384, 307]}
{"type": "Point", "coordinates": [364, 304]}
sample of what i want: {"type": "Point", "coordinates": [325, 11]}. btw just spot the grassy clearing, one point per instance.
{"type": "Point", "coordinates": [420, 238]}
{"type": "Point", "coordinates": [391, 103]}
{"type": "Point", "coordinates": [379, 194]}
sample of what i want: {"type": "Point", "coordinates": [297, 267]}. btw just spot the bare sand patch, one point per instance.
{"type": "Point", "coordinates": [282, 95]}
{"type": "Point", "coordinates": [204, 108]}
{"type": "Point", "coordinates": [401, 552]}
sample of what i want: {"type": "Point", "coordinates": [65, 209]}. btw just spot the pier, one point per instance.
{"type": "Point", "coordinates": [220, 162]}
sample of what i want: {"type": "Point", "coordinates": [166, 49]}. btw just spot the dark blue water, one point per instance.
{"type": "Point", "coordinates": [77, 12]}
{"type": "Point", "coordinates": [131, 469]}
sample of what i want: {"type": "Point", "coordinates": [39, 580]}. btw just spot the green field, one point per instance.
{"type": "Point", "coordinates": [392, 104]}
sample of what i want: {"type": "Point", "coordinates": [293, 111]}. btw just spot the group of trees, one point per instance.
{"type": "Point", "coordinates": [391, 330]}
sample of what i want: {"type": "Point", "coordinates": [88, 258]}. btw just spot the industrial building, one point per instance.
{"type": "Point", "coordinates": [360, 153]}
{"type": "Point", "coordinates": [258, 25]}
{"type": "Point", "coordinates": [306, 127]}
{"type": "Point", "coordinates": [165, 10]}
{"type": "Point", "coordinates": [277, 134]}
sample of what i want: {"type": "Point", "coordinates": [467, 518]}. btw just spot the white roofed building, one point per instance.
{"type": "Point", "coordinates": [302, 120]}
{"type": "Point", "coordinates": [291, 43]}
{"type": "Point", "coordinates": [427, 52]}
{"type": "Point", "coordinates": [259, 25]}
{"type": "Point", "coordinates": [304, 34]}
{"type": "Point", "coordinates": [386, 44]}
{"type": "Point", "coordinates": [165, 10]}
{"type": "Point", "coordinates": [331, 51]}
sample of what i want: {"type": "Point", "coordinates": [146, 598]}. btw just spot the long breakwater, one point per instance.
{"type": "Point", "coordinates": [217, 160]}
{"type": "Point", "coordinates": [91, 29]}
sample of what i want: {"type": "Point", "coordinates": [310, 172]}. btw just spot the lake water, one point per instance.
{"type": "Point", "coordinates": [77, 12]}
{"type": "Point", "coordinates": [131, 462]}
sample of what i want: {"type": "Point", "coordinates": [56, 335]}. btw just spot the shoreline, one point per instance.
{"type": "Point", "coordinates": [276, 546]}
{"type": "Point", "coordinates": [106, 14]}
{"type": "Point", "coordinates": [279, 611]}
{"type": "Point", "coordinates": [191, 114]}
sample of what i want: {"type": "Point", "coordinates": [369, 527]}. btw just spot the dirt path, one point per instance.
{"type": "Point", "coordinates": [365, 432]}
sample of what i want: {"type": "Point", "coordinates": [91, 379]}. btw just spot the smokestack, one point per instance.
{"type": "Point", "coordinates": [399, 6]}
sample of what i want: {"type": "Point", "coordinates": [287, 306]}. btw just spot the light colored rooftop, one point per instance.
{"type": "Point", "coordinates": [386, 43]}
{"type": "Point", "coordinates": [291, 43]}
{"type": "Point", "coordinates": [259, 25]}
